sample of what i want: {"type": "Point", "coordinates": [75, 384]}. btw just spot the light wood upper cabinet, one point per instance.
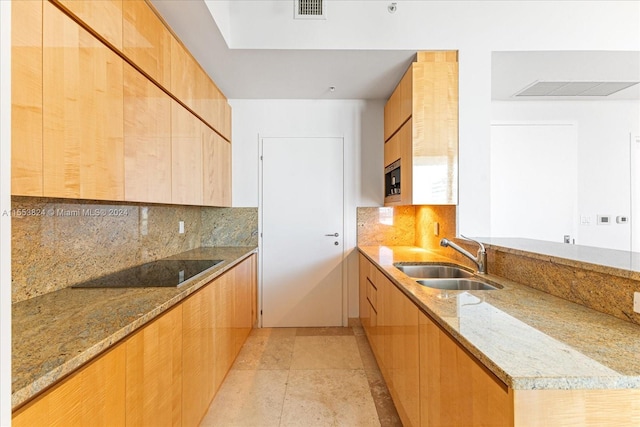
{"type": "Point", "coordinates": [183, 74]}
{"type": "Point", "coordinates": [432, 156]}
{"type": "Point", "coordinates": [103, 16]}
{"type": "Point", "coordinates": [94, 395]}
{"type": "Point", "coordinates": [154, 373]}
{"type": "Point", "coordinates": [147, 140]}
{"type": "Point", "coordinates": [146, 41]}
{"type": "Point", "coordinates": [217, 169]}
{"type": "Point", "coordinates": [26, 98]}
{"type": "Point", "coordinates": [83, 113]}
{"type": "Point", "coordinates": [186, 157]}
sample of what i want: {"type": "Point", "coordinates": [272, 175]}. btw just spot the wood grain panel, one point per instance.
{"type": "Point", "coordinates": [402, 145]}
{"type": "Point", "coordinates": [244, 277]}
{"type": "Point", "coordinates": [577, 408]}
{"type": "Point", "coordinates": [435, 129]}
{"type": "Point", "coordinates": [224, 345]}
{"type": "Point", "coordinates": [95, 396]}
{"type": "Point", "coordinates": [198, 378]}
{"type": "Point", "coordinates": [186, 157]}
{"type": "Point", "coordinates": [363, 303]}
{"type": "Point", "coordinates": [83, 113]}
{"type": "Point", "coordinates": [216, 167]}
{"type": "Point", "coordinates": [183, 77]}
{"type": "Point", "coordinates": [26, 98]}
{"type": "Point", "coordinates": [455, 389]}
{"type": "Point", "coordinates": [147, 140]}
{"type": "Point", "coordinates": [146, 41]}
{"type": "Point", "coordinates": [103, 16]}
{"type": "Point", "coordinates": [399, 107]}
{"type": "Point", "coordinates": [154, 373]}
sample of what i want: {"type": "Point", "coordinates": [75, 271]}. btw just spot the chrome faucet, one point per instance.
{"type": "Point", "coordinates": [480, 260]}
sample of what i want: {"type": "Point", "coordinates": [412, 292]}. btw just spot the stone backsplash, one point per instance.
{"type": "Point", "coordinates": [60, 242]}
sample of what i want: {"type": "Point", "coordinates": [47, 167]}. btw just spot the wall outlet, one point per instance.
{"type": "Point", "coordinates": [636, 302]}
{"type": "Point", "coordinates": [181, 227]}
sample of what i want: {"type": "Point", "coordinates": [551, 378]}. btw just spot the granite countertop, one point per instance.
{"type": "Point", "coordinates": [527, 338]}
{"type": "Point", "coordinates": [55, 333]}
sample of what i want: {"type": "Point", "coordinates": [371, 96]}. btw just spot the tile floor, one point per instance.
{"type": "Point", "coordinates": [303, 377]}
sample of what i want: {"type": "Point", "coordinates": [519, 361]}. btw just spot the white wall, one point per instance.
{"type": "Point", "coordinates": [604, 171]}
{"type": "Point", "coordinates": [5, 220]}
{"type": "Point", "coordinates": [358, 122]}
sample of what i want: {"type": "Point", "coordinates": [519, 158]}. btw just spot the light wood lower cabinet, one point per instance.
{"type": "Point", "coordinates": [455, 389]}
{"type": "Point", "coordinates": [154, 373]}
{"type": "Point", "coordinates": [435, 382]}
{"type": "Point", "coordinates": [94, 395]}
{"type": "Point", "coordinates": [165, 374]}
{"type": "Point", "coordinates": [83, 112]}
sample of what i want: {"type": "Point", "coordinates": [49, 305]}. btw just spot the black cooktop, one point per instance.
{"type": "Point", "coordinates": [161, 273]}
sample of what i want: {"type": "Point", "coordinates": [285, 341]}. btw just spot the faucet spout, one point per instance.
{"type": "Point", "coordinates": [480, 260]}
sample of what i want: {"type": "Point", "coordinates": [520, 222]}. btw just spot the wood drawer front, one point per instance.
{"type": "Point", "coordinates": [372, 294]}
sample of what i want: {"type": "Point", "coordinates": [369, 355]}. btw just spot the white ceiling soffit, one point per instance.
{"type": "Point", "coordinates": [565, 75]}
{"type": "Point", "coordinates": [574, 88]}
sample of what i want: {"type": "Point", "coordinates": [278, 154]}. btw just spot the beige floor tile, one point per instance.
{"type": "Point", "coordinates": [331, 331]}
{"type": "Point", "coordinates": [266, 351]}
{"type": "Point", "coordinates": [326, 352]}
{"type": "Point", "coordinates": [328, 397]}
{"type": "Point", "coordinates": [248, 399]}
{"type": "Point", "coordinates": [274, 332]}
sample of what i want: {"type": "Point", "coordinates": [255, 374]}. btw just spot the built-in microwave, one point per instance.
{"type": "Point", "coordinates": [392, 179]}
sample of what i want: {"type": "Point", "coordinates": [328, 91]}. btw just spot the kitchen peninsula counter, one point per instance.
{"type": "Point", "coordinates": [527, 338]}
{"type": "Point", "coordinates": [56, 333]}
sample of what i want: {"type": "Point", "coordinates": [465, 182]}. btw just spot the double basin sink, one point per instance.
{"type": "Point", "coordinates": [442, 276]}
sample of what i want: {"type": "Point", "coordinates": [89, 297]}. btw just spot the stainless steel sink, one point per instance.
{"type": "Point", "coordinates": [457, 284]}
{"type": "Point", "coordinates": [433, 271]}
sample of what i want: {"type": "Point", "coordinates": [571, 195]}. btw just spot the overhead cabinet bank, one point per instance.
{"type": "Point", "coordinates": [421, 133]}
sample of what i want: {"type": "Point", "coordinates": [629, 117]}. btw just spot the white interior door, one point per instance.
{"type": "Point", "coordinates": [302, 231]}
{"type": "Point", "coordinates": [534, 181]}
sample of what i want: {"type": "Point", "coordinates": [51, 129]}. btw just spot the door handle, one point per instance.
{"type": "Point", "coordinates": [332, 235]}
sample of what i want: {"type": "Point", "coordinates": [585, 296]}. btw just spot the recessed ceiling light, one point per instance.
{"type": "Point", "coordinates": [332, 88]}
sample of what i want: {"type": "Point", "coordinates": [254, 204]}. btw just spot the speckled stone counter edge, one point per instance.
{"type": "Point", "coordinates": [515, 382]}
{"type": "Point", "coordinates": [39, 384]}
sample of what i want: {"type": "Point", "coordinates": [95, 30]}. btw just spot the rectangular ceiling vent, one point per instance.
{"type": "Point", "coordinates": [310, 9]}
{"type": "Point", "coordinates": [574, 88]}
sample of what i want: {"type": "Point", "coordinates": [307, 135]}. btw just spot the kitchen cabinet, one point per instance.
{"type": "Point", "coordinates": [216, 157]}
{"type": "Point", "coordinates": [26, 98]}
{"type": "Point", "coordinates": [104, 17]}
{"type": "Point", "coordinates": [455, 389]}
{"type": "Point", "coordinates": [154, 373]}
{"type": "Point", "coordinates": [147, 140]}
{"type": "Point", "coordinates": [94, 395]}
{"type": "Point", "coordinates": [83, 113]}
{"type": "Point", "coordinates": [186, 157]}
{"type": "Point", "coordinates": [146, 41]}
{"type": "Point", "coordinates": [424, 136]}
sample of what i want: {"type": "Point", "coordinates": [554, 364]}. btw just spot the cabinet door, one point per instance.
{"type": "Point", "coordinates": [398, 109]}
{"type": "Point", "coordinates": [94, 395]}
{"type": "Point", "coordinates": [103, 16]}
{"type": "Point", "coordinates": [400, 146]}
{"type": "Point", "coordinates": [244, 275]}
{"type": "Point", "coordinates": [183, 74]}
{"type": "Point", "coordinates": [455, 389]}
{"type": "Point", "coordinates": [147, 140]}
{"type": "Point", "coordinates": [83, 113]}
{"type": "Point", "coordinates": [186, 157]}
{"type": "Point", "coordinates": [198, 370]}
{"type": "Point", "coordinates": [26, 98]}
{"type": "Point", "coordinates": [216, 168]}
{"type": "Point", "coordinates": [154, 373]}
{"type": "Point", "coordinates": [224, 338]}
{"type": "Point", "coordinates": [363, 283]}
{"type": "Point", "coordinates": [405, 360]}
{"type": "Point", "coordinates": [146, 41]}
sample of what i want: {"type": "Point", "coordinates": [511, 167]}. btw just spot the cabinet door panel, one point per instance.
{"type": "Point", "coordinates": [95, 396]}
{"type": "Point", "coordinates": [103, 16]}
{"type": "Point", "coordinates": [198, 378]}
{"type": "Point", "coordinates": [186, 157]}
{"type": "Point", "coordinates": [83, 113]}
{"type": "Point", "coordinates": [26, 98]}
{"type": "Point", "coordinates": [146, 41]}
{"type": "Point", "coordinates": [154, 373]}
{"type": "Point", "coordinates": [147, 140]}
{"type": "Point", "coordinates": [183, 77]}
{"type": "Point", "coordinates": [216, 168]}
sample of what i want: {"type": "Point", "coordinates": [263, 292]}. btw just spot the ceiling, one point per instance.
{"type": "Point", "coordinates": [283, 70]}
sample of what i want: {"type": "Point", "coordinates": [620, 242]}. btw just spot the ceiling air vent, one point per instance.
{"type": "Point", "coordinates": [574, 88]}
{"type": "Point", "coordinates": [310, 9]}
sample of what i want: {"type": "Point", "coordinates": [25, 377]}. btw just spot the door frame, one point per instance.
{"type": "Point", "coordinates": [343, 260]}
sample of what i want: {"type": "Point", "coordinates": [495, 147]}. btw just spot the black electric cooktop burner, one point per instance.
{"type": "Point", "coordinates": [161, 273]}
